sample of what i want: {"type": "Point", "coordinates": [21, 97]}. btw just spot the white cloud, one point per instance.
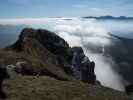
{"type": "Point", "coordinates": [23, 21]}
{"type": "Point", "coordinates": [88, 31]}
{"type": "Point", "coordinates": [80, 33]}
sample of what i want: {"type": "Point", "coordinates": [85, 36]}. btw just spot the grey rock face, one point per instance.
{"type": "Point", "coordinates": [78, 56]}
{"type": "Point", "coordinates": [82, 68]}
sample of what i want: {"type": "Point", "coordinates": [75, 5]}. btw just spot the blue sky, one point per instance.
{"type": "Point", "coordinates": [64, 8]}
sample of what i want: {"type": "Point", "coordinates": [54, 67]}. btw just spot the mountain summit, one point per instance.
{"type": "Point", "coordinates": [42, 66]}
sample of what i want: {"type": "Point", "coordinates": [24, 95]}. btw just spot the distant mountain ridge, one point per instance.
{"type": "Point", "coordinates": [110, 17]}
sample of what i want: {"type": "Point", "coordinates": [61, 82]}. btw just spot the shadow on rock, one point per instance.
{"type": "Point", "coordinates": [3, 75]}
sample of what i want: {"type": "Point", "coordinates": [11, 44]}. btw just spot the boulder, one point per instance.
{"type": "Point", "coordinates": [24, 68]}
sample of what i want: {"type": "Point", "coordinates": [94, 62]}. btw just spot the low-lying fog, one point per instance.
{"type": "Point", "coordinates": [79, 32]}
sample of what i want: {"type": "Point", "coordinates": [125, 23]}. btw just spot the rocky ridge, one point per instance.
{"type": "Point", "coordinates": [44, 62]}
{"type": "Point", "coordinates": [40, 43]}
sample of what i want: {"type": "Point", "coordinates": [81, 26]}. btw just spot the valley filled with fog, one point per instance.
{"type": "Point", "coordinates": [97, 37]}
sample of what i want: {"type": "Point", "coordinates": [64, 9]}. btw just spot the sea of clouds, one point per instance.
{"type": "Point", "coordinates": [79, 32]}
{"type": "Point", "coordinates": [82, 32]}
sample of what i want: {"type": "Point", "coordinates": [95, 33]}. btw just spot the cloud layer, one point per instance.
{"type": "Point", "coordinates": [81, 32]}
{"type": "Point", "coordinates": [78, 32]}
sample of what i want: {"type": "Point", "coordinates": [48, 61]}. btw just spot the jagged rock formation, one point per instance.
{"type": "Point", "coordinates": [51, 70]}
{"type": "Point", "coordinates": [83, 68]}
{"type": "Point", "coordinates": [78, 56]}
{"type": "Point", "coordinates": [72, 60]}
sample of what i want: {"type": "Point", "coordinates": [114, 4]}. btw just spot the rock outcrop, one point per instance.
{"type": "Point", "coordinates": [82, 67]}
{"type": "Point", "coordinates": [42, 43]}
{"type": "Point", "coordinates": [47, 39]}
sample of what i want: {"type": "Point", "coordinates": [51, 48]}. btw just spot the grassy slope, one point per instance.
{"type": "Point", "coordinates": [46, 88]}
{"type": "Point", "coordinates": [8, 57]}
